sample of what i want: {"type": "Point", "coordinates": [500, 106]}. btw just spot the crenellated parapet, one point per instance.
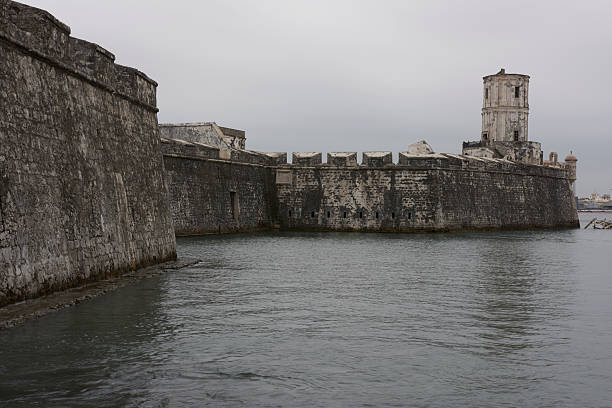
{"type": "Point", "coordinates": [201, 151]}
{"type": "Point", "coordinates": [43, 37]}
{"type": "Point", "coordinates": [347, 160]}
{"type": "Point", "coordinates": [377, 159]}
{"type": "Point", "coordinates": [342, 158]}
{"type": "Point", "coordinates": [426, 161]}
{"type": "Point", "coordinates": [307, 158]}
{"type": "Point", "coordinates": [370, 160]}
{"type": "Point", "coordinates": [407, 161]}
{"type": "Point", "coordinates": [277, 158]}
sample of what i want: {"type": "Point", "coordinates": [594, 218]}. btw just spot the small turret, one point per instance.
{"type": "Point", "coordinates": [570, 165]}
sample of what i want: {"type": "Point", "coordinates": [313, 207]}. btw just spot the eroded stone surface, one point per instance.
{"type": "Point", "coordinates": [448, 192]}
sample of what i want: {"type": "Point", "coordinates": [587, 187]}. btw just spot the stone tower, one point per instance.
{"type": "Point", "coordinates": [505, 107]}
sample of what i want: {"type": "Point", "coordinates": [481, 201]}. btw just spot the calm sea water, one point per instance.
{"type": "Point", "coordinates": [337, 319]}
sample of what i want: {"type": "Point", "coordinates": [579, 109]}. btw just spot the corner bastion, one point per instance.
{"type": "Point", "coordinates": [82, 187]}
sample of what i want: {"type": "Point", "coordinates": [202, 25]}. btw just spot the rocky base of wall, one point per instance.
{"type": "Point", "coordinates": [427, 230]}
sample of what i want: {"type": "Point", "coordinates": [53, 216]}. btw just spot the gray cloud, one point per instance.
{"type": "Point", "coordinates": [366, 75]}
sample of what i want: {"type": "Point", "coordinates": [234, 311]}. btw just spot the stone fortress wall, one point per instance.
{"type": "Point", "coordinates": [211, 194]}
{"type": "Point", "coordinates": [422, 192]}
{"type": "Point", "coordinates": [426, 192]}
{"type": "Point", "coordinates": [82, 187]}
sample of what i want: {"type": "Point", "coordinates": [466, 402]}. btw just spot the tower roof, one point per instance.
{"type": "Point", "coordinates": [502, 72]}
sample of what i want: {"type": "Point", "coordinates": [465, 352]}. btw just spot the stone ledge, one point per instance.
{"type": "Point", "coordinates": [18, 313]}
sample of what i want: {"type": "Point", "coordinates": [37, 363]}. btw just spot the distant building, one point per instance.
{"type": "Point", "coordinates": [594, 202]}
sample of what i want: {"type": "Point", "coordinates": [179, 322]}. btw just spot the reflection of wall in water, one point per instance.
{"type": "Point", "coordinates": [512, 294]}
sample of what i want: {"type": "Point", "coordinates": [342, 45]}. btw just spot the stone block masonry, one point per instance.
{"type": "Point", "coordinates": [212, 195]}
{"type": "Point", "coordinates": [82, 187]}
{"type": "Point", "coordinates": [434, 192]}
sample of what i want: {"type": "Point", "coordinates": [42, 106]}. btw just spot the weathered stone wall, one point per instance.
{"type": "Point", "coordinates": [432, 192]}
{"type": "Point", "coordinates": [435, 192]}
{"type": "Point", "coordinates": [82, 187]}
{"type": "Point", "coordinates": [213, 195]}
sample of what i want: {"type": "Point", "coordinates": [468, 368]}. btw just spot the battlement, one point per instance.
{"type": "Point", "coordinates": [371, 160]}
{"type": "Point", "coordinates": [434, 160]}
{"type": "Point", "coordinates": [277, 158]}
{"type": "Point", "coordinates": [307, 158]}
{"type": "Point", "coordinates": [202, 151]}
{"type": "Point", "coordinates": [383, 161]}
{"type": "Point", "coordinates": [38, 34]}
{"type": "Point", "coordinates": [377, 159]}
{"type": "Point", "coordinates": [342, 158]}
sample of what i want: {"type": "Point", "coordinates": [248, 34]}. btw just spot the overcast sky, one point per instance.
{"type": "Point", "coordinates": [366, 75]}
